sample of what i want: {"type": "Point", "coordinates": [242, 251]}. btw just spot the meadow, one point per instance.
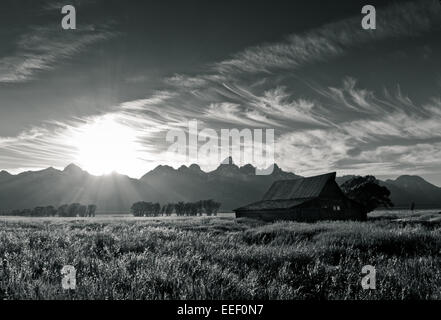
{"type": "Point", "coordinates": [220, 258]}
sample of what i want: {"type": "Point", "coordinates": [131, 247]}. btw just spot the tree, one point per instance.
{"type": "Point", "coordinates": [50, 211]}
{"type": "Point", "coordinates": [82, 211]}
{"type": "Point", "coordinates": [137, 209]}
{"type": "Point", "coordinates": [62, 210]}
{"type": "Point", "coordinates": [187, 208]}
{"type": "Point", "coordinates": [180, 208]}
{"type": "Point", "coordinates": [199, 208]}
{"type": "Point", "coordinates": [209, 207]}
{"type": "Point", "coordinates": [91, 208]}
{"type": "Point", "coordinates": [193, 209]}
{"type": "Point", "coordinates": [156, 209]}
{"type": "Point", "coordinates": [72, 209]}
{"type": "Point", "coordinates": [145, 209]}
{"type": "Point", "coordinates": [169, 209]}
{"type": "Point", "coordinates": [38, 212]}
{"type": "Point", "coordinates": [367, 192]}
{"type": "Point", "coordinates": [149, 209]}
{"type": "Point", "coordinates": [216, 207]}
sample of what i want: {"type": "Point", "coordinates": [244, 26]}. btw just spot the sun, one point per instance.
{"type": "Point", "coordinates": [105, 146]}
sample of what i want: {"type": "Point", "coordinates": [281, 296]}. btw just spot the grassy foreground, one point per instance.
{"type": "Point", "coordinates": [219, 258]}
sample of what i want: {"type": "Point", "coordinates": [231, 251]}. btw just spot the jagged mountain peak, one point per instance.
{"type": "Point", "coordinates": [4, 173]}
{"type": "Point", "coordinates": [228, 160]}
{"type": "Point", "coordinates": [227, 169]}
{"type": "Point", "coordinates": [195, 167]}
{"type": "Point", "coordinates": [276, 168]}
{"type": "Point", "coordinates": [410, 178]}
{"type": "Point", "coordinates": [248, 169]}
{"type": "Point", "coordinates": [73, 169]}
{"type": "Point", "coordinates": [48, 170]}
{"type": "Point", "coordinates": [160, 170]}
{"type": "Point", "coordinates": [413, 182]}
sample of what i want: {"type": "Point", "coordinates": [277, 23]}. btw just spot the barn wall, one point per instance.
{"type": "Point", "coordinates": [315, 210]}
{"type": "Point", "coordinates": [269, 215]}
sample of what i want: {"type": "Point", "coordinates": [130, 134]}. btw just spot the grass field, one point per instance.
{"type": "Point", "coordinates": [221, 258]}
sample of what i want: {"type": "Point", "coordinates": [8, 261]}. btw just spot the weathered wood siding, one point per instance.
{"type": "Point", "coordinates": [315, 210]}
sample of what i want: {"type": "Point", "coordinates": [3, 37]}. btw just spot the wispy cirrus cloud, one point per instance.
{"type": "Point", "coordinates": [335, 39]}
{"type": "Point", "coordinates": [234, 114]}
{"type": "Point", "coordinates": [330, 41]}
{"type": "Point", "coordinates": [43, 47]}
{"type": "Point", "coordinates": [53, 5]}
{"type": "Point", "coordinates": [383, 135]}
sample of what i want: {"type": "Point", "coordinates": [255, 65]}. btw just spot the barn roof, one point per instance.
{"type": "Point", "coordinates": [300, 188]}
{"type": "Point", "coordinates": [274, 204]}
{"type": "Point", "coordinates": [284, 194]}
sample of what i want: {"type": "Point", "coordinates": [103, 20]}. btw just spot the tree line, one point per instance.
{"type": "Point", "coordinates": [65, 210]}
{"type": "Point", "coordinates": [149, 209]}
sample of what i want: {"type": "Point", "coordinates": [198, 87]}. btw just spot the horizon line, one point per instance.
{"type": "Point", "coordinates": [62, 169]}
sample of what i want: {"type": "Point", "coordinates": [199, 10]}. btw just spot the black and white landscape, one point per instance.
{"type": "Point", "coordinates": [229, 184]}
{"type": "Point", "coordinates": [204, 150]}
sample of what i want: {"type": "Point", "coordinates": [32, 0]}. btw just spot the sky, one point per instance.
{"type": "Point", "coordinates": [338, 97]}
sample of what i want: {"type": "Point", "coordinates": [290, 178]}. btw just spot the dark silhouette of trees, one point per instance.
{"type": "Point", "coordinates": [145, 209]}
{"type": "Point", "coordinates": [199, 208]}
{"type": "Point", "coordinates": [62, 210]}
{"type": "Point", "coordinates": [66, 210]}
{"type": "Point", "coordinates": [73, 209]}
{"type": "Point", "coordinates": [156, 209]}
{"type": "Point", "coordinates": [191, 209]}
{"type": "Point", "coordinates": [82, 211]}
{"type": "Point", "coordinates": [211, 207]}
{"type": "Point", "coordinates": [91, 209]}
{"type": "Point", "coordinates": [187, 208]}
{"type": "Point", "coordinates": [367, 192]}
{"type": "Point", "coordinates": [50, 211]}
{"type": "Point", "coordinates": [180, 208]}
{"type": "Point", "coordinates": [169, 208]}
{"type": "Point", "coordinates": [136, 209]}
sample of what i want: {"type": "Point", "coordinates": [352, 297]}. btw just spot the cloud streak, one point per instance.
{"type": "Point", "coordinates": [42, 48]}
{"type": "Point", "coordinates": [333, 40]}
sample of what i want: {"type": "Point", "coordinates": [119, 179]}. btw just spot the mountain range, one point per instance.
{"type": "Point", "coordinates": [229, 184]}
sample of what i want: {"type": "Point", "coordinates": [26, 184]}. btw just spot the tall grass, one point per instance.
{"type": "Point", "coordinates": [219, 258]}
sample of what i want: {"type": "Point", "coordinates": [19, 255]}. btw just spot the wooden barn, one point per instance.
{"type": "Point", "coordinates": [304, 199]}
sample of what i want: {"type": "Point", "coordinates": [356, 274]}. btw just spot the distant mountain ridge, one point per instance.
{"type": "Point", "coordinates": [407, 189]}
{"type": "Point", "coordinates": [229, 184]}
